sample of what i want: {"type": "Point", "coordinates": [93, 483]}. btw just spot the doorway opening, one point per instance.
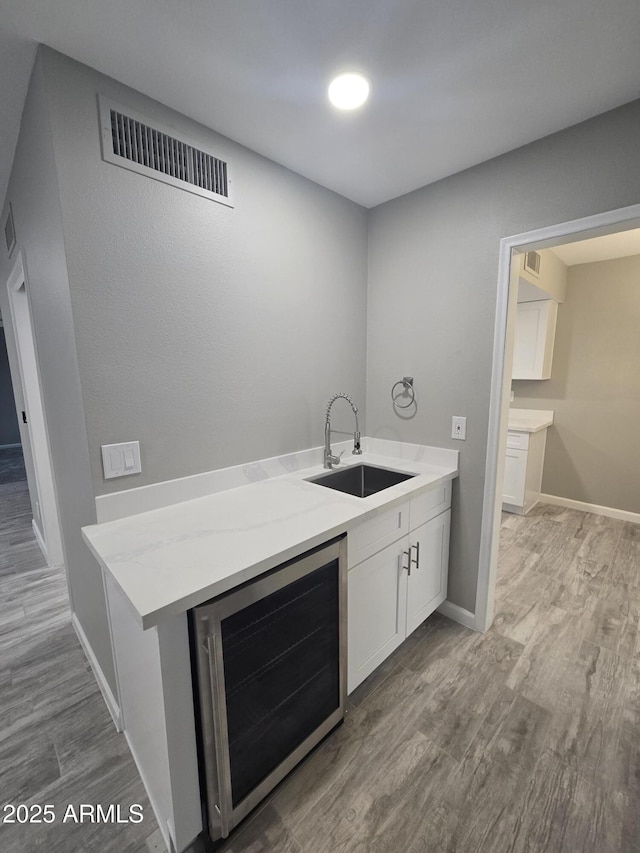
{"type": "Point", "coordinates": [610, 222]}
{"type": "Point", "coordinates": [12, 469]}
{"type": "Point", "coordinates": [31, 419]}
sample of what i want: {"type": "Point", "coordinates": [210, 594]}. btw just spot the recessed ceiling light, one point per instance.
{"type": "Point", "coordinates": [348, 91]}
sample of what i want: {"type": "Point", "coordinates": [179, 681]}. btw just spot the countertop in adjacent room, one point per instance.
{"type": "Point", "coordinates": [529, 420]}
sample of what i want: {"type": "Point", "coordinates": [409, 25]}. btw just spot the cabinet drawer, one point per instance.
{"type": "Point", "coordinates": [430, 504]}
{"type": "Point", "coordinates": [518, 440]}
{"type": "Point", "coordinates": [376, 533]}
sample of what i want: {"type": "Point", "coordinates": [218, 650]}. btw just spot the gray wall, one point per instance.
{"type": "Point", "coordinates": [9, 429]}
{"type": "Point", "coordinates": [433, 263]}
{"type": "Point", "coordinates": [213, 335]}
{"type": "Point", "coordinates": [33, 193]}
{"type": "Point", "coordinates": [592, 452]}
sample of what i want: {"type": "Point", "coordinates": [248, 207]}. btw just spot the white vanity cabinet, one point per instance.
{"type": "Point", "coordinates": [515, 469]}
{"type": "Point", "coordinates": [398, 565]}
{"type": "Point", "coordinates": [523, 470]}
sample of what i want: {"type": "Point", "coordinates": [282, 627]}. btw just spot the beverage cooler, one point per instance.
{"type": "Point", "coordinates": [270, 666]}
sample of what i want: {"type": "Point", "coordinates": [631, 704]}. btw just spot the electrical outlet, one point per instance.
{"type": "Point", "coordinates": [459, 427]}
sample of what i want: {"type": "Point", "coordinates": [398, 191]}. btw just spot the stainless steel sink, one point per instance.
{"type": "Point", "coordinates": [361, 480]}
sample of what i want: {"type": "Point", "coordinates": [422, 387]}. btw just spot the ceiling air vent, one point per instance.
{"type": "Point", "coordinates": [130, 141]}
{"type": "Point", "coordinates": [532, 263]}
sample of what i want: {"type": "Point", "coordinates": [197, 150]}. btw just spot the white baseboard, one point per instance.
{"type": "Point", "coordinates": [159, 815]}
{"type": "Point", "coordinates": [513, 508]}
{"type": "Point", "coordinates": [107, 695]}
{"type": "Point", "coordinates": [458, 614]}
{"type": "Point", "coordinates": [39, 540]}
{"type": "Point", "coordinates": [610, 512]}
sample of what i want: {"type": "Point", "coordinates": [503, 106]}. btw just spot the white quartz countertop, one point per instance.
{"type": "Point", "coordinates": [529, 420]}
{"type": "Point", "coordinates": [171, 559]}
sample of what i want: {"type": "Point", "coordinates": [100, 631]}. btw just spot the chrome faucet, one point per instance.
{"type": "Point", "coordinates": [329, 459]}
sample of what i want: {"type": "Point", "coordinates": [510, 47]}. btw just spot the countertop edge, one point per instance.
{"type": "Point", "coordinates": [149, 618]}
{"type": "Point", "coordinates": [532, 420]}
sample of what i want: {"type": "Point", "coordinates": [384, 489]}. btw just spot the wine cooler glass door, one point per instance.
{"type": "Point", "coordinates": [276, 676]}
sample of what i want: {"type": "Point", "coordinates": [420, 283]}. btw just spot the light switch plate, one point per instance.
{"type": "Point", "coordinates": [120, 460]}
{"type": "Point", "coordinates": [459, 427]}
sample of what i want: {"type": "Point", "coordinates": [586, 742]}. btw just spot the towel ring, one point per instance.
{"type": "Point", "coordinates": [407, 388]}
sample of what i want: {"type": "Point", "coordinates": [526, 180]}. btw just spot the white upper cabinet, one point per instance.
{"type": "Point", "coordinates": [535, 335]}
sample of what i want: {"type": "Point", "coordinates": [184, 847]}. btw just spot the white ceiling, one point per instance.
{"type": "Point", "coordinates": [454, 82]}
{"type": "Point", "coordinates": [620, 245]}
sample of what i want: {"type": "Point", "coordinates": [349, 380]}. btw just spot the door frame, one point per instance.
{"type": "Point", "coordinates": [48, 533]}
{"type": "Point", "coordinates": [608, 222]}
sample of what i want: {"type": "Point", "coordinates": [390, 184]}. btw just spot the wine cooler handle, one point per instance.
{"type": "Point", "coordinates": [220, 734]}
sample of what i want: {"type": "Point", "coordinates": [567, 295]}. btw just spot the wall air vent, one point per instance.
{"type": "Point", "coordinates": [532, 263]}
{"type": "Point", "coordinates": [131, 141]}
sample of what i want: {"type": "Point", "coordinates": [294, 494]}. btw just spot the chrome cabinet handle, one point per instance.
{"type": "Point", "coordinates": [416, 561]}
{"type": "Point", "coordinates": [407, 554]}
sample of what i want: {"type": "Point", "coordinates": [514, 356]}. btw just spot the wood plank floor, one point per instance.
{"type": "Point", "coordinates": [58, 743]}
{"type": "Point", "coordinates": [526, 738]}
{"type": "Point", "coordinates": [12, 465]}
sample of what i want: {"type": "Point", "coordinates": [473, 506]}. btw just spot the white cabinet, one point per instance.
{"type": "Point", "coordinates": [375, 533]}
{"type": "Point", "coordinates": [394, 587]}
{"type": "Point", "coordinates": [515, 475]}
{"type": "Point", "coordinates": [523, 470]}
{"type": "Point", "coordinates": [429, 564]}
{"type": "Point", "coordinates": [535, 335]}
{"type": "Point", "coordinates": [376, 618]}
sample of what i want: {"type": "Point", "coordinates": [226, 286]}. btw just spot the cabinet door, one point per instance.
{"type": "Point", "coordinates": [427, 582]}
{"type": "Point", "coordinates": [376, 611]}
{"type": "Point", "coordinates": [515, 475]}
{"type": "Point", "coordinates": [535, 335]}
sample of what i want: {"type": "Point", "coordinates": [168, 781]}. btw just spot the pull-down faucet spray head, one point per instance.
{"type": "Point", "coordinates": [329, 458]}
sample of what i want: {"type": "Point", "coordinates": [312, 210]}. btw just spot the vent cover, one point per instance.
{"type": "Point", "coordinates": [130, 141]}
{"type": "Point", "coordinates": [10, 232]}
{"type": "Point", "coordinates": [532, 262]}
